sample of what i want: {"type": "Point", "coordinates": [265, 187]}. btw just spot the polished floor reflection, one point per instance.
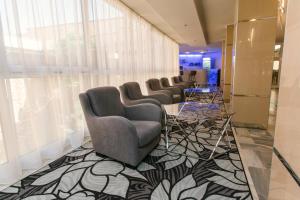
{"type": "Point", "coordinates": [256, 150]}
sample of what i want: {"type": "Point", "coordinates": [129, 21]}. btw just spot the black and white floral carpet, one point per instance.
{"type": "Point", "coordinates": [163, 175]}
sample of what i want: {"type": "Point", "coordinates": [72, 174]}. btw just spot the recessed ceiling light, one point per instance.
{"type": "Point", "coordinates": [277, 46]}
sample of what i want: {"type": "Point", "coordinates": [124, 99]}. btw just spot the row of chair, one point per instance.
{"type": "Point", "coordinates": [128, 132]}
{"type": "Point", "coordinates": [159, 91]}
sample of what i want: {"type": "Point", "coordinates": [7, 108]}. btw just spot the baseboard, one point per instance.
{"type": "Point", "coordinates": [248, 125]}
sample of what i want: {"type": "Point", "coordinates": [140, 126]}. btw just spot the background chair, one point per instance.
{"type": "Point", "coordinates": [153, 86]}
{"type": "Point", "coordinates": [125, 133]}
{"type": "Point", "coordinates": [176, 82]}
{"type": "Point", "coordinates": [131, 94]}
{"type": "Point", "coordinates": [192, 75]}
{"type": "Point", "coordinates": [164, 82]}
{"type": "Point", "coordinates": [190, 83]}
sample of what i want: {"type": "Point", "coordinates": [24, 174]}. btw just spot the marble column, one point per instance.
{"type": "Point", "coordinates": [254, 41]}
{"type": "Point", "coordinates": [227, 63]}
{"type": "Point", "coordinates": [283, 184]}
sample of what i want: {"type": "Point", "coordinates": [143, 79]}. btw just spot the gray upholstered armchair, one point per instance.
{"type": "Point", "coordinates": [153, 86]}
{"type": "Point", "coordinates": [125, 133]}
{"type": "Point", "coordinates": [177, 82]}
{"type": "Point", "coordinates": [131, 94]}
{"type": "Point", "coordinates": [190, 83]}
{"type": "Point", "coordinates": [164, 82]}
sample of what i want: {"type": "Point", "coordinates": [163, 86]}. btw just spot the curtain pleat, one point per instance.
{"type": "Point", "coordinates": [50, 51]}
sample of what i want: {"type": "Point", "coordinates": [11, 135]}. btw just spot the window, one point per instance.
{"type": "Point", "coordinates": [55, 49]}
{"type": "Point", "coordinates": [2, 148]}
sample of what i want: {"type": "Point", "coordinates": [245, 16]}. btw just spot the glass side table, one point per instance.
{"type": "Point", "coordinates": [208, 93]}
{"type": "Point", "coordinates": [175, 112]}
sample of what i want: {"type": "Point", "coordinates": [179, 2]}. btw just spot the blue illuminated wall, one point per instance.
{"type": "Point", "coordinates": [194, 61]}
{"type": "Point", "coordinates": [191, 61]}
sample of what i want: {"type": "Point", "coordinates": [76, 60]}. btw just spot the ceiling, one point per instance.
{"type": "Point", "coordinates": [213, 47]}
{"type": "Point", "coordinates": [197, 25]}
{"type": "Point", "coordinates": [177, 18]}
{"type": "Point", "coordinates": [218, 14]}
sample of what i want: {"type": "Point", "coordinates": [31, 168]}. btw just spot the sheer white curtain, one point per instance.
{"type": "Point", "coordinates": [50, 51]}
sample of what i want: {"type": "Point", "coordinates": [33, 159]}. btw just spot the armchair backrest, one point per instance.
{"type": "Point", "coordinates": [192, 75]}
{"type": "Point", "coordinates": [133, 90]}
{"type": "Point", "coordinates": [153, 84]}
{"type": "Point", "coordinates": [180, 78]}
{"type": "Point", "coordinates": [105, 101]}
{"type": "Point", "coordinates": [86, 106]}
{"type": "Point", "coordinates": [124, 94]}
{"type": "Point", "coordinates": [175, 79]}
{"type": "Point", "coordinates": [165, 82]}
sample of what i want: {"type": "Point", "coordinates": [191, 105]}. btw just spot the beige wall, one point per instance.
{"type": "Point", "coordinates": [287, 132]}
{"type": "Point", "coordinates": [228, 63]}
{"type": "Point", "coordinates": [255, 31]}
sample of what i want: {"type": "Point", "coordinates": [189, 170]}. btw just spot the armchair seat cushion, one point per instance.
{"type": "Point", "coordinates": [147, 131]}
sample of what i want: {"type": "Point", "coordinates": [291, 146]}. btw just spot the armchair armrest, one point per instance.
{"type": "Point", "coordinates": [163, 96]}
{"type": "Point", "coordinates": [163, 91]}
{"type": "Point", "coordinates": [144, 100]}
{"type": "Point", "coordinates": [144, 112]}
{"type": "Point", "coordinates": [174, 90]}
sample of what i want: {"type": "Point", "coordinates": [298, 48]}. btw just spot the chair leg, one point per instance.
{"type": "Point", "coordinates": [166, 127]}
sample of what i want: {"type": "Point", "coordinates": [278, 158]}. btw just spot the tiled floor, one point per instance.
{"type": "Point", "coordinates": [256, 149]}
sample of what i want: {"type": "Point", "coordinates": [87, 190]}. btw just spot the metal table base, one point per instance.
{"type": "Point", "coordinates": [223, 133]}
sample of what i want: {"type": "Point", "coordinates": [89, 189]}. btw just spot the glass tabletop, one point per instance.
{"type": "Point", "coordinates": [178, 108]}
{"type": "Point", "coordinates": [174, 109]}
{"type": "Point", "coordinates": [202, 89]}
